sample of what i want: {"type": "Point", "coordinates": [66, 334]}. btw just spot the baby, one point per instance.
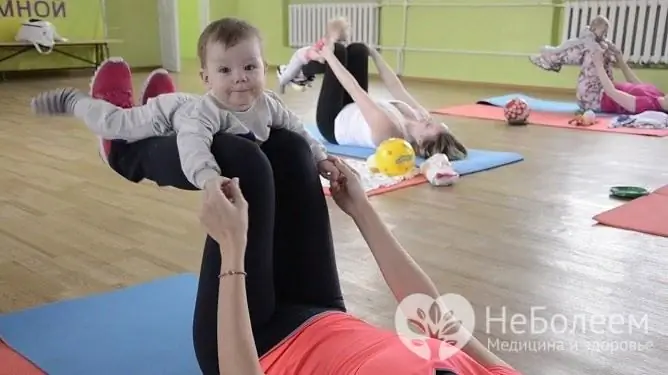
{"type": "Point", "coordinates": [571, 52]}
{"type": "Point", "coordinates": [579, 51]}
{"type": "Point", "coordinates": [338, 30]}
{"type": "Point", "coordinates": [233, 70]}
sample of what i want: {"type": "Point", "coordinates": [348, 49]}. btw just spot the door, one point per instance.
{"type": "Point", "coordinates": [169, 35]}
{"type": "Point", "coordinates": [204, 14]}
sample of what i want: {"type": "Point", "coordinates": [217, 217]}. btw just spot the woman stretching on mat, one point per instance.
{"type": "Point", "coordinates": [307, 330]}
{"type": "Point", "coordinates": [347, 115]}
{"type": "Point", "coordinates": [632, 97]}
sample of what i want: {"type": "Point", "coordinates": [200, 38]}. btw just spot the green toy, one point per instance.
{"type": "Point", "coordinates": [628, 192]}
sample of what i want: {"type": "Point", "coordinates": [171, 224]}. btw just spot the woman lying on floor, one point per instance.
{"type": "Point", "coordinates": [348, 115]}
{"type": "Point", "coordinates": [329, 341]}
{"type": "Point", "coordinates": [269, 298]}
{"type": "Point", "coordinates": [632, 97]}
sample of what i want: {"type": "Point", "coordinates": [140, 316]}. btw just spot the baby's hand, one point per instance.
{"type": "Point", "coordinates": [216, 183]}
{"type": "Point", "coordinates": [330, 171]}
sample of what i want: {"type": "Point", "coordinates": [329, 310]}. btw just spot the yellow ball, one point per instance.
{"type": "Point", "coordinates": [395, 157]}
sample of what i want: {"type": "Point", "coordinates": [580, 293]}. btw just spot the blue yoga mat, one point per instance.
{"type": "Point", "coordinates": [538, 105]}
{"type": "Point", "coordinates": [477, 160]}
{"type": "Point", "coordinates": [143, 330]}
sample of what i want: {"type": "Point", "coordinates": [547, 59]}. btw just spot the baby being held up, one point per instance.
{"type": "Point", "coordinates": [338, 31]}
{"type": "Point", "coordinates": [233, 70]}
{"type": "Point", "coordinates": [572, 51]}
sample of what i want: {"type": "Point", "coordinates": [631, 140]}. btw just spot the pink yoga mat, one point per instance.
{"type": "Point", "coordinates": [559, 120]}
{"type": "Point", "coordinates": [648, 214]}
{"type": "Point", "coordinates": [662, 191]}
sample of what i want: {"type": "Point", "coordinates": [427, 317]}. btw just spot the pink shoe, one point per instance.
{"type": "Point", "coordinates": [158, 82]}
{"type": "Point", "coordinates": [112, 82]}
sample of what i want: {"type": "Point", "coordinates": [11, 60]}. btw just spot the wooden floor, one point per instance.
{"type": "Point", "coordinates": [515, 239]}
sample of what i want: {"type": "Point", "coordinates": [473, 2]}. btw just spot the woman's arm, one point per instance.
{"type": "Point", "coordinates": [392, 82]}
{"type": "Point", "coordinates": [237, 353]}
{"type": "Point", "coordinates": [404, 276]}
{"type": "Point", "coordinates": [629, 75]}
{"type": "Point", "coordinates": [627, 101]}
{"type": "Point", "coordinates": [380, 123]}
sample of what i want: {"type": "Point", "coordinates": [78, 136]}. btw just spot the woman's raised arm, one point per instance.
{"type": "Point", "coordinates": [394, 85]}
{"type": "Point", "coordinates": [625, 100]}
{"type": "Point", "coordinates": [402, 274]}
{"type": "Point", "coordinates": [224, 215]}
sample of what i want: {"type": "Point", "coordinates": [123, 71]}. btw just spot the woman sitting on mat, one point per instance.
{"type": "Point", "coordinates": [347, 115]}
{"type": "Point", "coordinates": [310, 332]}
{"type": "Point", "coordinates": [632, 97]}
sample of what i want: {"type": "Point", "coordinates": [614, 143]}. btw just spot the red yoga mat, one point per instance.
{"type": "Point", "coordinates": [559, 120]}
{"type": "Point", "coordinates": [648, 214]}
{"type": "Point", "coordinates": [12, 363]}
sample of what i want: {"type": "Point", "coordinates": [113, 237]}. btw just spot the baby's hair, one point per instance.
{"type": "Point", "coordinates": [342, 24]}
{"type": "Point", "coordinates": [598, 21]}
{"type": "Point", "coordinates": [227, 31]}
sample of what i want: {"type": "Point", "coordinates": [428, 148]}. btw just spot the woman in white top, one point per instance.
{"type": "Point", "coordinates": [347, 115]}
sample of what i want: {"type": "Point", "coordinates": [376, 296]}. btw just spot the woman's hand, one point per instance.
{"type": "Point", "coordinates": [325, 49]}
{"type": "Point", "coordinates": [616, 52]}
{"type": "Point", "coordinates": [349, 194]}
{"type": "Point", "coordinates": [224, 215]}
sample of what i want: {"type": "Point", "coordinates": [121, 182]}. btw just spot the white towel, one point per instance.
{"type": "Point", "coordinates": [647, 120]}
{"type": "Point", "coordinates": [371, 181]}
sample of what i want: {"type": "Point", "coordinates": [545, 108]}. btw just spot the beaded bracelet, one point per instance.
{"type": "Point", "coordinates": [232, 273]}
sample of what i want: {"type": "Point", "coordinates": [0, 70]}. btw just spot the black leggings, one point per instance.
{"type": "Point", "coordinates": [313, 68]}
{"type": "Point", "coordinates": [290, 262]}
{"type": "Point", "coordinates": [333, 97]}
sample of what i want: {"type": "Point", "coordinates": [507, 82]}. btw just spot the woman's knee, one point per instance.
{"type": "Point", "coordinates": [340, 51]}
{"type": "Point", "coordinates": [358, 49]}
{"type": "Point", "coordinates": [287, 145]}
{"type": "Point", "coordinates": [236, 154]}
{"type": "Point", "coordinates": [241, 158]}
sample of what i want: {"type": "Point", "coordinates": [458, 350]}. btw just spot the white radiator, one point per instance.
{"type": "Point", "coordinates": [638, 27]}
{"type": "Point", "coordinates": [308, 22]}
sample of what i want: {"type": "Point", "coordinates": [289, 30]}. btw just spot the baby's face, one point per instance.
{"type": "Point", "coordinates": [235, 74]}
{"type": "Point", "coordinates": [601, 29]}
{"type": "Point", "coordinates": [336, 28]}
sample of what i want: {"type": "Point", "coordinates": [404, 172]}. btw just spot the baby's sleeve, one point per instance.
{"type": "Point", "coordinates": [282, 117]}
{"type": "Point", "coordinates": [195, 126]}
